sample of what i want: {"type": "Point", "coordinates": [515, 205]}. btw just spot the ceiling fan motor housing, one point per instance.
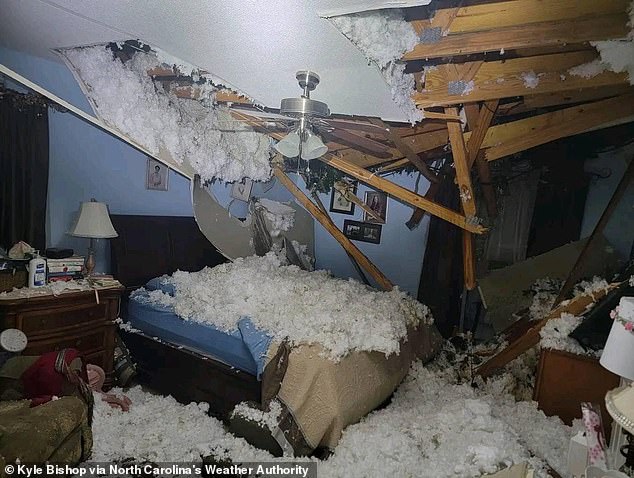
{"type": "Point", "coordinates": [304, 106]}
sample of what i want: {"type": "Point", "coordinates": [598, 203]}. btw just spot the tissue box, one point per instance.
{"type": "Point", "coordinates": [578, 455]}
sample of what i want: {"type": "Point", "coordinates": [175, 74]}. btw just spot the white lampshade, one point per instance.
{"type": "Point", "coordinates": [618, 354]}
{"type": "Point", "coordinates": [93, 222]}
{"type": "Point", "coordinates": [289, 145]}
{"type": "Point", "coordinates": [313, 147]}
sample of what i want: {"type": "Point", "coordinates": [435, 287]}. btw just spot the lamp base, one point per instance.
{"type": "Point", "coordinates": [90, 263]}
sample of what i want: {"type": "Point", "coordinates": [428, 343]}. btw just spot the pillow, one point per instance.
{"type": "Point", "coordinates": [162, 283]}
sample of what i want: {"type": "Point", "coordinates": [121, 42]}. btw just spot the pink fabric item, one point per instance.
{"type": "Point", "coordinates": [96, 379]}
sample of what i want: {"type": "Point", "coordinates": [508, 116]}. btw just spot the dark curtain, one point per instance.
{"type": "Point", "coordinates": [23, 171]}
{"type": "Point", "coordinates": [441, 280]}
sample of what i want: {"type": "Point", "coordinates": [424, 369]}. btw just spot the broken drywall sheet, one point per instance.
{"type": "Point", "coordinates": [618, 55]}
{"type": "Point", "coordinates": [332, 8]}
{"type": "Point", "coordinates": [384, 36]}
{"type": "Point", "coordinates": [199, 133]}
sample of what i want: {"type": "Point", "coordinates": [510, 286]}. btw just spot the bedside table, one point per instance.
{"type": "Point", "coordinates": [71, 319]}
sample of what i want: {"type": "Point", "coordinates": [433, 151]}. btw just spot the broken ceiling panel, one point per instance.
{"type": "Point", "coordinates": [331, 8]}
{"type": "Point", "coordinates": [199, 133]}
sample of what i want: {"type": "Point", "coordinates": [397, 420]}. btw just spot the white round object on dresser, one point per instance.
{"type": "Point", "coordinates": [13, 340]}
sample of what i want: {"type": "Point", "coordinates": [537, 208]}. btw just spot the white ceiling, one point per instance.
{"type": "Point", "coordinates": [254, 45]}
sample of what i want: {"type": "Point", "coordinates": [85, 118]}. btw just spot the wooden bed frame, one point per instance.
{"type": "Point", "coordinates": [150, 246]}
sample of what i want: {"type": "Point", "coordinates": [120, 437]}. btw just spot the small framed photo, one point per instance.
{"type": "Point", "coordinates": [157, 175]}
{"type": "Point", "coordinates": [242, 189]}
{"type": "Point", "coordinates": [362, 231]}
{"type": "Point", "coordinates": [377, 201]}
{"type": "Point", "coordinates": [339, 204]}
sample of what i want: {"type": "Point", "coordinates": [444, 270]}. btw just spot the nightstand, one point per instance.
{"type": "Point", "coordinates": [72, 319]}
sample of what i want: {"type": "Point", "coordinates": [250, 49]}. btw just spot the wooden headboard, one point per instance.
{"type": "Point", "coordinates": [150, 246]}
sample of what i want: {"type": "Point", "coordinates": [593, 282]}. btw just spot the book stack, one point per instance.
{"type": "Point", "coordinates": [65, 269]}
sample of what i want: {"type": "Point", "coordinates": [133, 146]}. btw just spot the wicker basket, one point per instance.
{"type": "Point", "coordinates": [12, 278]}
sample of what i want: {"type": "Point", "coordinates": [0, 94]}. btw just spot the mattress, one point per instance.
{"type": "Point", "coordinates": [244, 348]}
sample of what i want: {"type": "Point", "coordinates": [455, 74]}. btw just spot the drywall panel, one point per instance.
{"type": "Point", "coordinates": [255, 46]}
{"type": "Point", "coordinates": [331, 8]}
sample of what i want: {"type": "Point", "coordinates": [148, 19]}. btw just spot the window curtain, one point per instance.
{"type": "Point", "coordinates": [23, 169]}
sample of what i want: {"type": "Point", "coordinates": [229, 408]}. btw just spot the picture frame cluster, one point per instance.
{"type": "Point", "coordinates": [368, 230]}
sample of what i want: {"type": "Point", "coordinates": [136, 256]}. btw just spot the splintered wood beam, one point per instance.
{"type": "Point", "coordinates": [399, 192]}
{"type": "Point", "coordinates": [510, 138]}
{"type": "Point", "coordinates": [327, 223]}
{"type": "Point", "coordinates": [480, 128]}
{"type": "Point", "coordinates": [605, 27]}
{"type": "Point", "coordinates": [492, 15]}
{"type": "Point", "coordinates": [480, 124]}
{"type": "Point", "coordinates": [465, 190]}
{"type": "Point", "coordinates": [514, 77]}
{"type": "Point", "coordinates": [576, 306]}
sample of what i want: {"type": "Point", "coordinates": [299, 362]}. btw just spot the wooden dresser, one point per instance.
{"type": "Point", "coordinates": [69, 320]}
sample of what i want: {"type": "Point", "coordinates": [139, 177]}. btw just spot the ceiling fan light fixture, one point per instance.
{"type": "Point", "coordinates": [288, 146]}
{"type": "Point", "coordinates": [313, 147]}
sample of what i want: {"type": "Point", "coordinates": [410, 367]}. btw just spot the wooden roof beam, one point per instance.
{"type": "Point", "coordinates": [495, 15]}
{"type": "Point", "coordinates": [503, 140]}
{"type": "Point", "coordinates": [502, 79]}
{"type": "Point", "coordinates": [537, 35]}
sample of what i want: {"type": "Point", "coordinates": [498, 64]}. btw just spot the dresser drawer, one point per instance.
{"type": "Point", "coordinates": [85, 343]}
{"type": "Point", "coordinates": [38, 322]}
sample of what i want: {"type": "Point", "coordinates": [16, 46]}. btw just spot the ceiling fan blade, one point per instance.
{"type": "Point", "coordinates": [355, 140]}
{"type": "Point", "coordinates": [355, 126]}
{"type": "Point", "coordinates": [264, 115]}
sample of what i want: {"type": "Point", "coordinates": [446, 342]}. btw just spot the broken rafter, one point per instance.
{"type": "Point", "coordinates": [514, 77]}
{"type": "Point", "coordinates": [325, 221]}
{"type": "Point", "coordinates": [576, 306]}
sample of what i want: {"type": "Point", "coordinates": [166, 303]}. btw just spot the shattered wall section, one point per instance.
{"type": "Point", "coordinates": [384, 36]}
{"type": "Point", "coordinates": [199, 133]}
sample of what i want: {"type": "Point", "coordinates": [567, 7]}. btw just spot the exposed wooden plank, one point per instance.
{"type": "Point", "coordinates": [576, 306]}
{"type": "Point", "coordinates": [479, 130]}
{"type": "Point", "coordinates": [405, 149]}
{"type": "Point", "coordinates": [461, 165]}
{"type": "Point", "coordinates": [509, 138]}
{"type": "Point", "coordinates": [568, 97]}
{"type": "Point", "coordinates": [490, 15]}
{"type": "Point", "coordinates": [465, 189]}
{"type": "Point", "coordinates": [501, 79]}
{"type": "Point", "coordinates": [401, 193]}
{"type": "Point", "coordinates": [488, 191]}
{"type": "Point", "coordinates": [536, 35]}
{"type": "Point", "coordinates": [325, 221]}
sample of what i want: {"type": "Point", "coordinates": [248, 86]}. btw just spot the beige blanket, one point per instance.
{"type": "Point", "coordinates": [320, 397]}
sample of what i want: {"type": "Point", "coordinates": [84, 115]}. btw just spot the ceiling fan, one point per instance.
{"type": "Point", "coordinates": [307, 120]}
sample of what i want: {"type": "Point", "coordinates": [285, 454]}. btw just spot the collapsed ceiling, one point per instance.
{"type": "Point", "coordinates": [253, 47]}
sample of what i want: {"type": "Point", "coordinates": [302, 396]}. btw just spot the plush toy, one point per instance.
{"type": "Point", "coordinates": [96, 379]}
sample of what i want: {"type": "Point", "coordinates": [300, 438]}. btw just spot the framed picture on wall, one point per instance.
{"type": "Point", "coordinates": [156, 176]}
{"type": "Point", "coordinates": [362, 231]}
{"type": "Point", "coordinates": [339, 204]}
{"type": "Point", "coordinates": [377, 201]}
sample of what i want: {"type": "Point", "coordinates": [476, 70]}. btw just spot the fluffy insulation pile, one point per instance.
{"type": "Point", "coordinates": [433, 427]}
{"type": "Point", "coordinates": [287, 302]}
{"type": "Point", "coordinates": [199, 132]}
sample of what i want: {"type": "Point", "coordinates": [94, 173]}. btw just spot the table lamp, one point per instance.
{"type": "Point", "coordinates": [93, 222]}
{"type": "Point", "coordinates": [618, 357]}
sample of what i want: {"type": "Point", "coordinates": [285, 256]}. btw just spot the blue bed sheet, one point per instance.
{"type": "Point", "coordinates": [244, 348]}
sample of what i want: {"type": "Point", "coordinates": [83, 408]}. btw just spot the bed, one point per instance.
{"type": "Point", "coordinates": [318, 398]}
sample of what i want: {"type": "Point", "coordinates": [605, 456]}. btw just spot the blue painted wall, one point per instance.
{"type": "Point", "coordinates": [86, 162]}
{"type": "Point", "coordinates": [399, 255]}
